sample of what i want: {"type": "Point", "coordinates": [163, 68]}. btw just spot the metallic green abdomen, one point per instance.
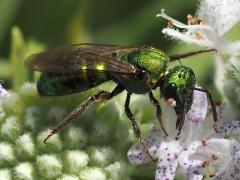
{"type": "Point", "coordinates": [57, 84]}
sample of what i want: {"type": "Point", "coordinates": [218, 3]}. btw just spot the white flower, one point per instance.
{"type": "Point", "coordinates": [3, 92]}
{"type": "Point", "coordinates": [200, 151]}
{"type": "Point", "coordinates": [213, 19]}
{"type": "Point", "coordinates": [214, 157]}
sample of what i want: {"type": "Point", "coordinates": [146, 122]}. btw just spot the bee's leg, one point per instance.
{"type": "Point", "coordinates": [136, 127]}
{"type": "Point", "coordinates": [103, 95]}
{"type": "Point", "coordinates": [213, 105]}
{"type": "Point", "coordinates": [159, 111]}
{"type": "Point", "coordinates": [179, 123]}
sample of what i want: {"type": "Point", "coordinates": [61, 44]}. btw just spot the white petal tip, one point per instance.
{"type": "Point", "coordinates": [164, 31]}
{"type": "Point", "coordinates": [161, 14]}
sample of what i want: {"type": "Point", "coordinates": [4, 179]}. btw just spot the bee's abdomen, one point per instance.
{"type": "Point", "coordinates": [55, 84]}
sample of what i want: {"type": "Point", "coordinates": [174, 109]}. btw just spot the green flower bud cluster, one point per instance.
{"type": "Point", "coordinates": [92, 147]}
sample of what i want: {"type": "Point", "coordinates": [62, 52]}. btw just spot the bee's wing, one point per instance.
{"type": "Point", "coordinates": [52, 84]}
{"type": "Point", "coordinates": [75, 58]}
{"type": "Point", "coordinates": [76, 68]}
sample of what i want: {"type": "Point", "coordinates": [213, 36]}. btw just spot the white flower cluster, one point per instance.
{"type": "Point", "coordinates": [74, 154]}
{"type": "Point", "coordinates": [3, 92]}
{"type": "Point", "coordinates": [200, 152]}
{"type": "Point", "coordinates": [213, 19]}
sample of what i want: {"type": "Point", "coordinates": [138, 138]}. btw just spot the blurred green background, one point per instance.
{"type": "Point", "coordinates": [49, 23]}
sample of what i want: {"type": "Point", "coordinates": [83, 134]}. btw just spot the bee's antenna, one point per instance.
{"type": "Point", "coordinates": [180, 56]}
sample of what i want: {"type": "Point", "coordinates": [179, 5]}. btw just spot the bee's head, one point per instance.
{"type": "Point", "coordinates": [178, 84]}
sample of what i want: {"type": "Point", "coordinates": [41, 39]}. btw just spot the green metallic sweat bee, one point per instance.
{"type": "Point", "coordinates": [136, 69]}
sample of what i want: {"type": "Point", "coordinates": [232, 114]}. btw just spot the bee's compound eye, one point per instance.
{"type": "Point", "coordinates": [170, 91]}
{"type": "Point", "coordinates": [172, 87]}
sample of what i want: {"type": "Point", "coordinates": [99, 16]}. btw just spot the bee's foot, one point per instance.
{"type": "Point", "coordinates": [215, 127]}
{"type": "Point", "coordinates": [154, 159]}
{"type": "Point", "coordinates": [177, 136]}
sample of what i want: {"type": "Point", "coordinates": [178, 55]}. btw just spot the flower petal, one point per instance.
{"type": "Point", "coordinates": [190, 166]}
{"type": "Point", "coordinates": [136, 154]}
{"type": "Point", "coordinates": [167, 164]}
{"type": "Point", "coordinates": [235, 152]}
{"type": "Point", "coordinates": [199, 107]}
{"type": "Point", "coordinates": [230, 169]}
{"type": "Point", "coordinates": [228, 128]}
{"type": "Point", "coordinates": [189, 32]}
{"type": "Point", "coordinates": [216, 156]}
{"type": "Point", "coordinates": [3, 92]}
{"type": "Point", "coordinates": [222, 15]}
{"type": "Point", "coordinates": [177, 35]}
{"type": "Point", "coordinates": [216, 18]}
{"type": "Point", "coordinates": [227, 47]}
{"type": "Point", "coordinates": [214, 145]}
